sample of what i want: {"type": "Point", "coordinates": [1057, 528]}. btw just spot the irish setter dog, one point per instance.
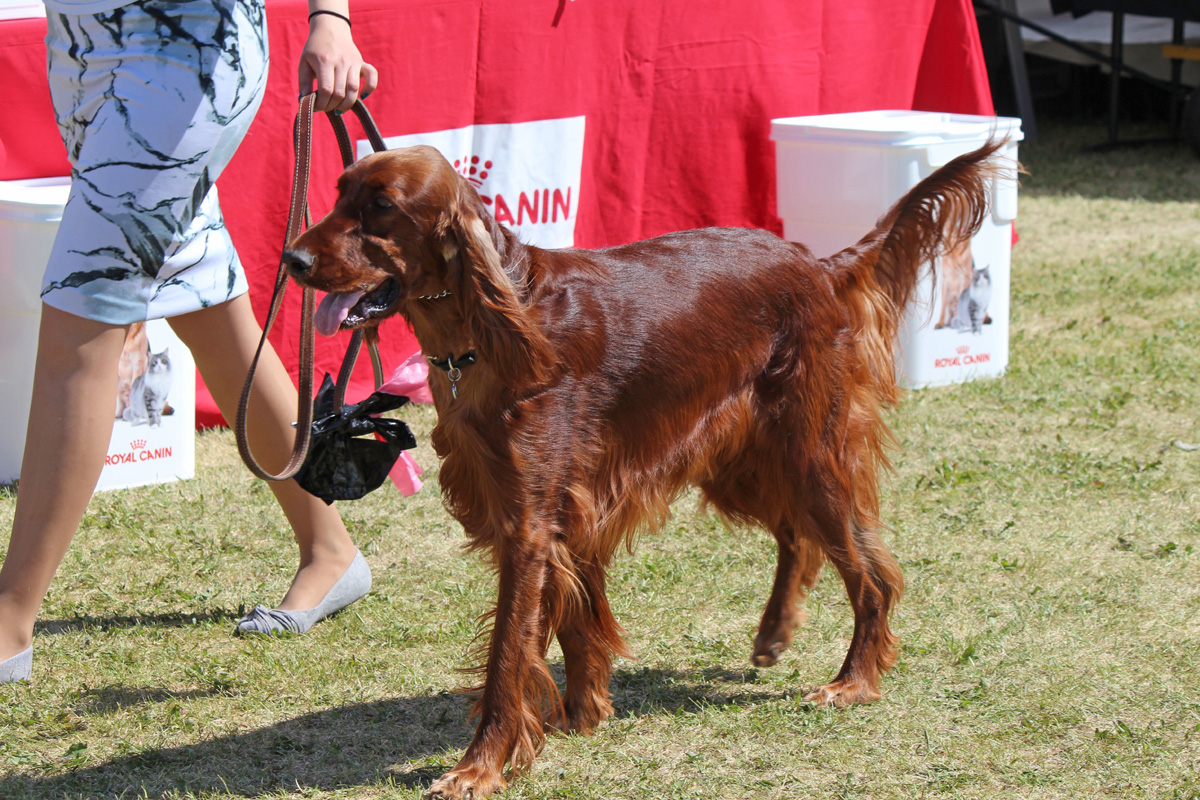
{"type": "Point", "coordinates": [581, 391]}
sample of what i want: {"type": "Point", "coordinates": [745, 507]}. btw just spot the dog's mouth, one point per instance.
{"type": "Point", "coordinates": [355, 309]}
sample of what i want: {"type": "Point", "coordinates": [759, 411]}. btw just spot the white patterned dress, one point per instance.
{"type": "Point", "coordinates": [152, 100]}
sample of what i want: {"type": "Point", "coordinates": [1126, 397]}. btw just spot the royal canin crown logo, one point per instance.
{"type": "Point", "coordinates": [138, 444]}
{"type": "Point", "coordinates": [473, 170]}
{"type": "Point", "coordinates": [963, 349]}
{"type": "Point", "coordinates": [534, 207]}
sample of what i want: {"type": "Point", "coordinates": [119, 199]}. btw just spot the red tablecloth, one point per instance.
{"type": "Point", "coordinates": [678, 96]}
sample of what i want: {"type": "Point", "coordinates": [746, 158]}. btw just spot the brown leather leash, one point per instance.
{"type": "Point", "coordinates": [298, 213]}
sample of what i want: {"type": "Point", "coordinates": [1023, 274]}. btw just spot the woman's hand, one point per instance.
{"type": "Point", "coordinates": [331, 59]}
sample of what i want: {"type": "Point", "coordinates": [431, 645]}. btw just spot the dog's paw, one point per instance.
{"type": "Point", "coordinates": [843, 693]}
{"type": "Point", "coordinates": [466, 783]}
{"type": "Point", "coordinates": [775, 637]}
{"type": "Point", "coordinates": [766, 654]}
{"type": "Point", "coordinates": [558, 723]}
{"type": "Point", "coordinates": [581, 714]}
{"type": "Point", "coordinates": [578, 723]}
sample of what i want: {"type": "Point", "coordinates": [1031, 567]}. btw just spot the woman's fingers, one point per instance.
{"type": "Point", "coordinates": [369, 77]}
{"type": "Point", "coordinates": [331, 60]}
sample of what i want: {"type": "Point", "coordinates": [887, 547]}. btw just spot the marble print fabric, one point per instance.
{"type": "Point", "coordinates": [152, 100]}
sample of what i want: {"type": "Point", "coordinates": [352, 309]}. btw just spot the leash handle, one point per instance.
{"type": "Point", "coordinates": [298, 215]}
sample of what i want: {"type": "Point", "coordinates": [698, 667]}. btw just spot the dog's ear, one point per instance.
{"type": "Point", "coordinates": [497, 319]}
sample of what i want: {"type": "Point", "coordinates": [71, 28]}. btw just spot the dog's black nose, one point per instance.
{"type": "Point", "coordinates": [299, 262]}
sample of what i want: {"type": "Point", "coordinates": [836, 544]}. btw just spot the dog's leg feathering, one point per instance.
{"type": "Point", "coordinates": [874, 584]}
{"type": "Point", "coordinates": [517, 681]}
{"type": "Point", "coordinates": [589, 637]}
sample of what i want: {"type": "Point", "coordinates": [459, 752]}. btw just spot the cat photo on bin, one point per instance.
{"type": "Point", "coordinates": [143, 380]}
{"type": "Point", "coordinates": [965, 292]}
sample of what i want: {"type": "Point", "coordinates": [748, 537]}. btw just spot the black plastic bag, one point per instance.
{"type": "Point", "coordinates": [341, 465]}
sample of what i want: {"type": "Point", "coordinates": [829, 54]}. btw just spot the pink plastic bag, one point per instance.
{"type": "Point", "coordinates": [411, 379]}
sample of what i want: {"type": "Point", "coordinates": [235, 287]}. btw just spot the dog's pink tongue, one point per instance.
{"type": "Point", "coordinates": [333, 310]}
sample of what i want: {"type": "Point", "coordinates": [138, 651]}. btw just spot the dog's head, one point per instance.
{"type": "Point", "coordinates": [408, 228]}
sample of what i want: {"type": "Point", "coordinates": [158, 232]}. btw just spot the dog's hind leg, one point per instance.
{"type": "Point", "coordinates": [589, 636]}
{"type": "Point", "coordinates": [743, 490]}
{"type": "Point", "coordinates": [873, 583]}
{"type": "Point", "coordinates": [796, 572]}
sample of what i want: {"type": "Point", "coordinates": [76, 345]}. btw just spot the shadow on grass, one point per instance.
{"type": "Point", "coordinates": [648, 692]}
{"type": "Point", "coordinates": [110, 623]}
{"type": "Point", "coordinates": [356, 745]}
{"type": "Point", "coordinates": [113, 699]}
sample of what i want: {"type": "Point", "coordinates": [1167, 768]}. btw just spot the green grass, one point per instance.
{"type": "Point", "coordinates": [1048, 524]}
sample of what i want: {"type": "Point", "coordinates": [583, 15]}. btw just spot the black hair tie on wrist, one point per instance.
{"type": "Point", "coordinates": [342, 17]}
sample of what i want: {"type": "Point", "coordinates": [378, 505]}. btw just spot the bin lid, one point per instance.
{"type": "Point", "coordinates": [893, 128]}
{"type": "Point", "coordinates": [34, 199]}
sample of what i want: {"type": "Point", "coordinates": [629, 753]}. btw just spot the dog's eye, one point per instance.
{"type": "Point", "coordinates": [381, 202]}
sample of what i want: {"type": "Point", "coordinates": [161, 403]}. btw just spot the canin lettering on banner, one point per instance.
{"type": "Point", "coordinates": [526, 173]}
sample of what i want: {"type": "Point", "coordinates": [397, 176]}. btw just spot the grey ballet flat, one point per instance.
{"type": "Point", "coordinates": [353, 585]}
{"type": "Point", "coordinates": [17, 668]}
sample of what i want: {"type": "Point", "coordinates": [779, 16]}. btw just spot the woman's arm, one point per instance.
{"type": "Point", "coordinates": [331, 59]}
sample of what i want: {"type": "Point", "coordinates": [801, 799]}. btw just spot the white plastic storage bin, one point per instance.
{"type": "Point", "coordinates": [838, 173]}
{"type": "Point", "coordinates": [139, 453]}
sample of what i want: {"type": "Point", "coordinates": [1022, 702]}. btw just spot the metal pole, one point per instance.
{"type": "Point", "coordinates": [1118, 55]}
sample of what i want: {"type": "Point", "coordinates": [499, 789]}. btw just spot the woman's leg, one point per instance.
{"type": "Point", "coordinates": [223, 339]}
{"type": "Point", "coordinates": [70, 425]}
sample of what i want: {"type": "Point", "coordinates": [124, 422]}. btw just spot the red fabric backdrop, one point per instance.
{"type": "Point", "coordinates": [678, 97]}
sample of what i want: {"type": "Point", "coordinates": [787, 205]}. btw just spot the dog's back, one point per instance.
{"type": "Point", "coordinates": [730, 358]}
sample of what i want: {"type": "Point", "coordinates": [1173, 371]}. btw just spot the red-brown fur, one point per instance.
{"type": "Point", "coordinates": [608, 381]}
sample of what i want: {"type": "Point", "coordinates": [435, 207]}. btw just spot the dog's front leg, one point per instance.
{"type": "Point", "coordinates": [516, 680]}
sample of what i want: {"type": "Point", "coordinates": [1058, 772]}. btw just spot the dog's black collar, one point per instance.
{"type": "Point", "coordinates": [451, 366]}
{"type": "Point", "coordinates": [452, 361]}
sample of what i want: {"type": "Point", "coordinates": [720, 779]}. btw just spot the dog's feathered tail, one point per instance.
{"type": "Point", "coordinates": [877, 276]}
